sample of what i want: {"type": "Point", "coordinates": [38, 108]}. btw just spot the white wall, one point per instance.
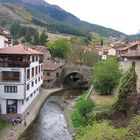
{"type": "Point", "coordinates": [2, 39]}
{"type": "Point", "coordinates": [20, 85]}
{"type": "Point", "coordinates": [3, 106]}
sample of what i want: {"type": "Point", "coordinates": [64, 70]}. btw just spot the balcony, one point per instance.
{"type": "Point", "coordinates": [15, 64]}
{"type": "Point", "coordinates": [10, 79]}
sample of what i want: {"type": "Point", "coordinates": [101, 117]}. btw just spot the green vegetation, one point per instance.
{"type": "Point", "coordinates": [104, 131]}
{"type": "Point", "coordinates": [127, 82]}
{"type": "Point", "coordinates": [82, 110]}
{"type": "Point", "coordinates": [29, 35]}
{"type": "Point", "coordinates": [2, 125]}
{"type": "Point", "coordinates": [100, 131]}
{"type": "Point", "coordinates": [106, 75]}
{"type": "Point", "coordinates": [97, 39]}
{"type": "Point", "coordinates": [127, 86]}
{"type": "Point", "coordinates": [59, 48]}
{"type": "Point", "coordinates": [66, 29]}
{"type": "Point", "coordinates": [22, 13]}
{"type": "Point", "coordinates": [78, 47]}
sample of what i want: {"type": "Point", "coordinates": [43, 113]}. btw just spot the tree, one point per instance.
{"type": "Point", "coordinates": [106, 75]}
{"type": "Point", "coordinates": [43, 38]}
{"type": "Point", "coordinates": [36, 38]}
{"type": "Point", "coordinates": [15, 42]}
{"type": "Point", "coordinates": [59, 48]}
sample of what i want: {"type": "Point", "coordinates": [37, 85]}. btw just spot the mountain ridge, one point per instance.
{"type": "Point", "coordinates": [60, 20]}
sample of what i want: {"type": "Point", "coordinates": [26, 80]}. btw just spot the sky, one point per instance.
{"type": "Point", "coordinates": [121, 15]}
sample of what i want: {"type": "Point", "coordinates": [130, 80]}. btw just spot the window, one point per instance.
{"type": "Point", "coordinates": [10, 76]}
{"type": "Point", "coordinates": [57, 74]}
{"type": "Point", "coordinates": [31, 95]}
{"type": "Point", "coordinates": [37, 58]}
{"type": "Point", "coordinates": [39, 68]}
{"type": "Point", "coordinates": [33, 58]}
{"type": "Point", "coordinates": [36, 81]}
{"type": "Point", "coordinates": [32, 72]}
{"type": "Point", "coordinates": [36, 70]}
{"type": "Point", "coordinates": [27, 99]}
{"type": "Point", "coordinates": [48, 74]}
{"type": "Point", "coordinates": [28, 74]}
{"type": "Point", "coordinates": [39, 79]}
{"type": "Point", "coordinates": [10, 89]}
{"type": "Point", "coordinates": [32, 83]}
{"type": "Point", "coordinates": [28, 87]}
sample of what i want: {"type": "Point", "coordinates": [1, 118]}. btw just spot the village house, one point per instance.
{"type": "Point", "coordinates": [132, 59]}
{"type": "Point", "coordinates": [43, 49]}
{"type": "Point", "coordinates": [51, 73]}
{"type": "Point", "coordinates": [5, 38]}
{"type": "Point", "coordinates": [129, 48]}
{"type": "Point", "coordinates": [21, 75]}
{"type": "Point", "coordinates": [103, 51]}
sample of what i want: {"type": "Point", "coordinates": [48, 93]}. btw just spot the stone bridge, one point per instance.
{"type": "Point", "coordinates": [77, 75]}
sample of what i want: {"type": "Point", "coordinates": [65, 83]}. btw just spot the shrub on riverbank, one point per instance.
{"type": "Point", "coordinates": [2, 124]}
{"type": "Point", "coordinates": [104, 131]}
{"type": "Point", "coordinates": [82, 109]}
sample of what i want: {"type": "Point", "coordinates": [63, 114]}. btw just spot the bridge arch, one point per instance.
{"type": "Point", "coordinates": [77, 76]}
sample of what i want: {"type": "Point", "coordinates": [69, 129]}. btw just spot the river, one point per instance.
{"type": "Point", "coordinates": [51, 123]}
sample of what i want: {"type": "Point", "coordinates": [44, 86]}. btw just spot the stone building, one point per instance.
{"type": "Point", "coordinates": [52, 73]}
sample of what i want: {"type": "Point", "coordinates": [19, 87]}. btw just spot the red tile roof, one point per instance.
{"type": "Point", "coordinates": [132, 54]}
{"type": "Point", "coordinates": [51, 65]}
{"type": "Point", "coordinates": [99, 48]}
{"type": "Point", "coordinates": [129, 46]}
{"type": "Point", "coordinates": [39, 48]}
{"type": "Point", "coordinates": [19, 50]}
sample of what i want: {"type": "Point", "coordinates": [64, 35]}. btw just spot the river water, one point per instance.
{"type": "Point", "coordinates": [50, 123]}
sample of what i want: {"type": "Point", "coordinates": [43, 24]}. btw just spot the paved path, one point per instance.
{"type": "Point", "coordinates": [33, 111]}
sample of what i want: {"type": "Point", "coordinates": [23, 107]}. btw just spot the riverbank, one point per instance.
{"type": "Point", "coordinates": [33, 112]}
{"type": "Point", "coordinates": [67, 113]}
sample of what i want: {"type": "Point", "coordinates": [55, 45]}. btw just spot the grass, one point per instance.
{"type": "Point", "coordinates": [103, 99]}
{"type": "Point", "coordinates": [23, 14]}
{"type": "Point", "coordinates": [103, 102]}
{"type": "Point", "coordinates": [2, 125]}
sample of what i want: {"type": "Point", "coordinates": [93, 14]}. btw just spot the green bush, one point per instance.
{"type": "Point", "coordinates": [106, 75]}
{"type": "Point", "coordinates": [77, 119]}
{"type": "Point", "coordinates": [86, 107]}
{"type": "Point", "coordinates": [101, 131]}
{"type": "Point", "coordinates": [81, 112]}
{"type": "Point", "coordinates": [104, 131]}
{"type": "Point", "coordinates": [2, 125]}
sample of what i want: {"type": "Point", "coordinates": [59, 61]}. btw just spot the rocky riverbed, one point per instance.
{"type": "Point", "coordinates": [53, 121]}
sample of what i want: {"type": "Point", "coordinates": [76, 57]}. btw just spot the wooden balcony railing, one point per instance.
{"type": "Point", "coordinates": [5, 79]}
{"type": "Point", "coordinates": [15, 64]}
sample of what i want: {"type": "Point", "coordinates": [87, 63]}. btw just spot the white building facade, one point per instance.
{"type": "Point", "coordinates": [5, 38]}
{"type": "Point", "coordinates": [21, 75]}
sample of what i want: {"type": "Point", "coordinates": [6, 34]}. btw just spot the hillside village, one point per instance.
{"type": "Point", "coordinates": [25, 69]}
